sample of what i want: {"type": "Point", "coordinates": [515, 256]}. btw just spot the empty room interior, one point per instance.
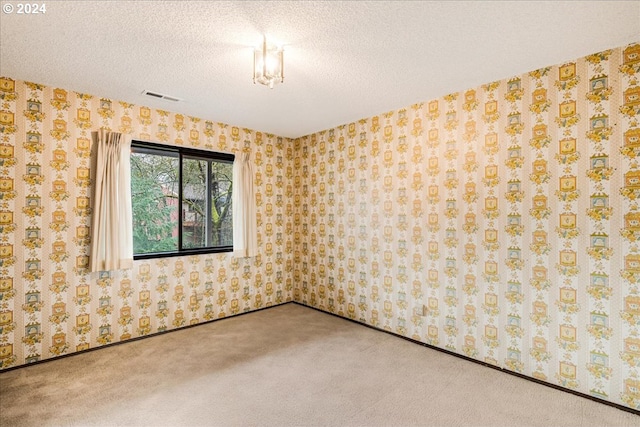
{"type": "Point", "coordinates": [320, 213]}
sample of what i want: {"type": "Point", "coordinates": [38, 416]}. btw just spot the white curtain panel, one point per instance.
{"type": "Point", "coordinates": [244, 208]}
{"type": "Point", "coordinates": [112, 239]}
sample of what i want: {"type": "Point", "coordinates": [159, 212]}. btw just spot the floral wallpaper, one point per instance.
{"type": "Point", "coordinates": [49, 304]}
{"type": "Point", "coordinates": [501, 223]}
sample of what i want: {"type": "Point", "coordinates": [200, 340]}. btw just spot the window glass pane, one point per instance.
{"type": "Point", "coordinates": [181, 200]}
{"type": "Point", "coordinates": [194, 203]}
{"type": "Point", "coordinates": [221, 210]}
{"type": "Point", "coordinates": [154, 194]}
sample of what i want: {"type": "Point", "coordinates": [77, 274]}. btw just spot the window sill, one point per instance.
{"type": "Point", "coordinates": [185, 252]}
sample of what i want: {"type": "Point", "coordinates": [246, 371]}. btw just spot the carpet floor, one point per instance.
{"type": "Point", "coordinates": [285, 366]}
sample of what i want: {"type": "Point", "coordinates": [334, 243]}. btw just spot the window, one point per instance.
{"type": "Point", "coordinates": [181, 200]}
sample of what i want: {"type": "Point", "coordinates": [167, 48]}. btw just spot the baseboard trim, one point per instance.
{"type": "Point", "coordinates": [75, 353]}
{"type": "Point", "coordinates": [479, 362]}
{"type": "Point", "coordinates": [442, 350]}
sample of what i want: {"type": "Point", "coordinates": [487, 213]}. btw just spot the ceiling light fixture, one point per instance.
{"type": "Point", "coordinates": [268, 65]}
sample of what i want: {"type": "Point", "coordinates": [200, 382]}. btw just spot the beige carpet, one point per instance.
{"type": "Point", "coordinates": [284, 366]}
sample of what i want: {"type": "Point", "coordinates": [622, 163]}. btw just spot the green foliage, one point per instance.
{"type": "Point", "coordinates": [221, 206]}
{"type": "Point", "coordinates": [194, 199]}
{"type": "Point", "coordinates": [154, 187]}
{"type": "Point", "coordinates": [152, 222]}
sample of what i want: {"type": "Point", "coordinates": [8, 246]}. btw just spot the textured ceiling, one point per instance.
{"type": "Point", "coordinates": [343, 60]}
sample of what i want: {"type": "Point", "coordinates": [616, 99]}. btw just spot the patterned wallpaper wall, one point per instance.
{"type": "Point", "coordinates": [509, 211]}
{"type": "Point", "coordinates": [49, 304]}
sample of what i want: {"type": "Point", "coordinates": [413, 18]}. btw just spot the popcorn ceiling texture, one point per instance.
{"type": "Point", "coordinates": [343, 60]}
{"type": "Point", "coordinates": [509, 211]}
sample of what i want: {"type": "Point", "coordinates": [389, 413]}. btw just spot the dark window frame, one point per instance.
{"type": "Point", "coordinates": [183, 153]}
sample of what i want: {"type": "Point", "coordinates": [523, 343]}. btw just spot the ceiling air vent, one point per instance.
{"type": "Point", "coordinates": [160, 96]}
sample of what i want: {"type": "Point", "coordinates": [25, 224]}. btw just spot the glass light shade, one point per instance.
{"type": "Point", "coordinates": [268, 65]}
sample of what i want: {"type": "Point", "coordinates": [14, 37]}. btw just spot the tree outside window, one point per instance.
{"type": "Point", "coordinates": [181, 200]}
